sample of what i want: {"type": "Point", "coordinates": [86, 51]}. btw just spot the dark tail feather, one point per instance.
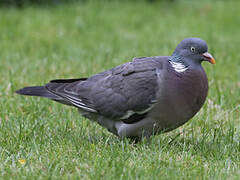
{"type": "Point", "coordinates": [37, 91]}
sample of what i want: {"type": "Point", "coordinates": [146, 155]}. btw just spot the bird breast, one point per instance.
{"type": "Point", "coordinates": [180, 99]}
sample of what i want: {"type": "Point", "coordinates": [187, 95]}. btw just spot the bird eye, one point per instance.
{"type": "Point", "coordinates": [193, 49]}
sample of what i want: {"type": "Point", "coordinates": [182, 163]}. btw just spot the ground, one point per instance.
{"type": "Point", "coordinates": [43, 139]}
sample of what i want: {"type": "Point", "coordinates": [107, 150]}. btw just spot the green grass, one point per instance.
{"type": "Point", "coordinates": [38, 44]}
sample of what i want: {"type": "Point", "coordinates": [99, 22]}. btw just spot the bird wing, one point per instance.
{"type": "Point", "coordinates": [126, 92]}
{"type": "Point", "coordinates": [66, 90]}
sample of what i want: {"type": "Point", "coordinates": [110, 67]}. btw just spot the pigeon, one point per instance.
{"type": "Point", "coordinates": [141, 98]}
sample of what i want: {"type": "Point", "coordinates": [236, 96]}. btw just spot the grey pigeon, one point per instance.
{"type": "Point", "coordinates": [146, 96]}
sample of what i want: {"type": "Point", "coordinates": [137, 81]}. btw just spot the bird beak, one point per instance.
{"type": "Point", "coordinates": [208, 57]}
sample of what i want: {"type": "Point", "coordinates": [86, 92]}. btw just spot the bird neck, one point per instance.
{"type": "Point", "coordinates": [177, 59]}
{"type": "Point", "coordinates": [178, 63]}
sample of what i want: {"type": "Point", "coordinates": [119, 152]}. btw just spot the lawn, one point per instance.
{"type": "Point", "coordinates": [47, 140]}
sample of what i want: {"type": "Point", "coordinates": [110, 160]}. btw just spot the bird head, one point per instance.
{"type": "Point", "coordinates": [193, 51]}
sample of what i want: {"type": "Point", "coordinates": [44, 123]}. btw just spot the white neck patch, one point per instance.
{"type": "Point", "coordinates": [178, 67]}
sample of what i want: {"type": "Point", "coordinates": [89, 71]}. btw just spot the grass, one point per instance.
{"type": "Point", "coordinates": [40, 139]}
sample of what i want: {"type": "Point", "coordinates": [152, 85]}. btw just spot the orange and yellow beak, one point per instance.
{"type": "Point", "coordinates": [209, 58]}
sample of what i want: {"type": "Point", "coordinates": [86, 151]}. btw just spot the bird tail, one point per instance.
{"type": "Point", "coordinates": [40, 91]}
{"type": "Point", "coordinates": [56, 90]}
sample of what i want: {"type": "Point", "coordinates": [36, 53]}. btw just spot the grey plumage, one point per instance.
{"type": "Point", "coordinates": [140, 98]}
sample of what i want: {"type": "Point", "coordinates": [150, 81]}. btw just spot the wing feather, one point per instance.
{"type": "Point", "coordinates": [127, 92]}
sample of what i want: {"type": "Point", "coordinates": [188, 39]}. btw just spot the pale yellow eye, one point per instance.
{"type": "Point", "coordinates": [193, 49]}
